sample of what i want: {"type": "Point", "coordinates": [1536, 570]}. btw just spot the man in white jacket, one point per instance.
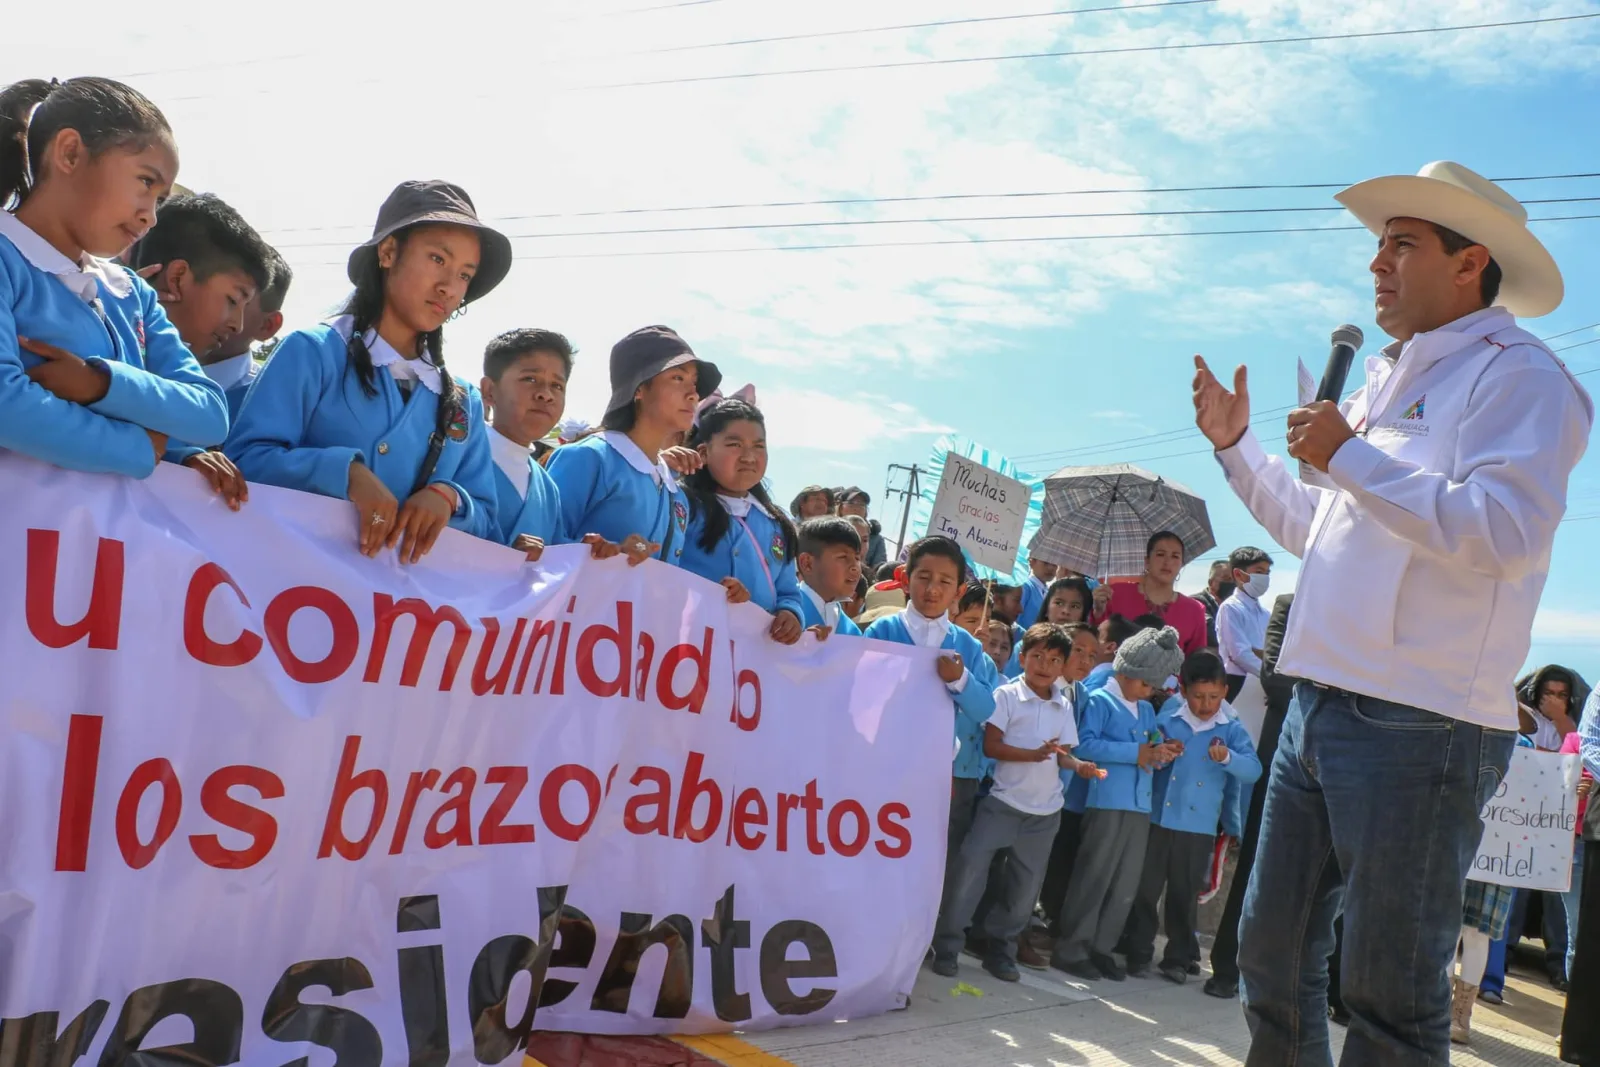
{"type": "Point", "coordinates": [1422, 569]}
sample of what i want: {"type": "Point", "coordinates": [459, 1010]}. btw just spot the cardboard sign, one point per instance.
{"type": "Point", "coordinates": [982, 510]}
{"type": "Point", "coordinates": [1529, 824]}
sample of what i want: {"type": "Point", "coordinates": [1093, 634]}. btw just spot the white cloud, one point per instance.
{"type": "Point", "coordinates": [1567, 626]}
{"type": "Point", "coordinates": [806, 418]}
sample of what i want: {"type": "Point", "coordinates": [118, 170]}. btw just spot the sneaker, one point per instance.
{"type": "Point", "coordinates": [1176, 973]}
{"type": "Point", "coordinates": [1138, 968]}
{"type": "Point", "coordinates": [1194, 969]}
{"type": "Point", "coordinates": [1222, 988]}
{"type": "Point", "coordinates": [944, 966]}
{"type": "Point", "coordinates": [1109, 966]}
{"type": "Point", "coordinates": [1084, 969]}
{"type": "Point", "coordinates": [977, 945]}
{"type": "Point", "coordinates": [1031, 957]}
{"type": "Point", "coordinates": [1002, 968]}
{"type": "Point", "coordinates": [1491, 996]}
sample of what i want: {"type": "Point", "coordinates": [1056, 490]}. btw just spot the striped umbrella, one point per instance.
{"type": "Point", "coordinates": [1097, 519]}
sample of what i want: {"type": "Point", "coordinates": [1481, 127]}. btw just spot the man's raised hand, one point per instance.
{"type": "Point", "coordinates": [1222, 416]}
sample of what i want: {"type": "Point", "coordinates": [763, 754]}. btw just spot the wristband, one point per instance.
{"type": "Point", "coordinates": [449, 497]}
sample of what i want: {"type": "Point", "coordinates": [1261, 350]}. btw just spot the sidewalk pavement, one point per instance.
{"type": "Point", "coordinates": [1049, 1020]}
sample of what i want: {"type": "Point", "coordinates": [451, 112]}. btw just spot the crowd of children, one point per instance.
{"type": "Point", "coordinates": [1093, 766]}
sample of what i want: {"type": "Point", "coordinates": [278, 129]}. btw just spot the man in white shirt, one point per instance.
{"type": "Point", "coordinates": [1242, 618]}
{"type": "Point", "coordinates": [1422, 569]}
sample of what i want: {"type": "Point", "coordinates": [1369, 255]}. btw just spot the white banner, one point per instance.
{"type": "Point", "coordinates": [982, 509]}
{"type": "Point", "coordinates": [1529, 823]}
{"type": "Point", "coordinates": [309, 799]}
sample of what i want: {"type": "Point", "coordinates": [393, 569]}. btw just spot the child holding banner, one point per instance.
{"type": "Point", "coordinates": [829, 567]}
{"type": "Point", "coordinates": [93, 376]}
{"type": "Point", "coordinates": [614, 483]}
{"type": "Point", "coordinates": [736, 535]}
{"type": "Point", "coordinates": [409, 446]}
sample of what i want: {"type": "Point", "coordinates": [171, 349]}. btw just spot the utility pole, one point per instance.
{"type": "Point", "coordinates": [910, 493]}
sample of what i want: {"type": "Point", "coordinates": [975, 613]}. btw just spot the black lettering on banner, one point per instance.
{"type": "Point", "coordinates": [635, 937]}
{"type": "Point", "coordinates": [574, 947]}
{"type": "Point", "coordinates": [423, 1006]}
{"type": "Point", "coordinates": [489, 986]}
{"type": "Point", "coordinates": [722, 934]}
{"type": "Point", "coordinates": [777, 969]}
{"type": "Point", "coordinates": [213, 1008]}
{"type": "Point", "coordinates": [32, 1041]}
{"type": "Point", "coordinates": [353, 1040]}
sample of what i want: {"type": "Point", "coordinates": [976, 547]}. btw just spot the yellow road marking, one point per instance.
{"type": "Point", "coordinates": [732, 1051]}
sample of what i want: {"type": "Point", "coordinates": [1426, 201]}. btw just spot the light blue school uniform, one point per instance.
{"type": "Point", "coordinates": [1195, 793]}
{"type": "Point", "coordinates": [306, 419]}
{"type": "Point", "coordinates": [752, 550]}
{"type": "Point", "coordinates": [1032, 602]}
{"type": "Point", "coordinates": [1109, 737]}
{"type": "Point", "coordinates": [973, 705]}
{"type": "Point", "coordinates": [608, 486]}
{"type": "Point", "coordinates": [234, 375]}
{"type": "Point", "coordinates": [106, 315]}
{"type": "Point", "coordinates": [1097, 678]}
{"type": "Point", "coordinates": [533, 505]}
{"type": "Point", "coordinates": [811, 614]}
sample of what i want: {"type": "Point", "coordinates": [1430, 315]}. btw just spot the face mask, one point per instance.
{"type": "Point", "coordinates": [1256, 587]}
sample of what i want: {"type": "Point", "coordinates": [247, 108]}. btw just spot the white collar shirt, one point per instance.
{"type": "Point", "coordinates": [233, 371]}
{"type": "Point", "coordinates": [623, 445]}
{"type": "Point", "coordinates": [384, 355]}
{"type": "Point", "coordinates": [513, 460]}
{"type": "Point", "coordinates": [828, 609]}
{"type": "Point", "coordinates": [80, 278]}
{"type": "Point", "coordinates": [737, 506]}
{"type": "Point", "coordinates": [1114, 687]}
{"type": "Point", "coordinates": [1241, 630]}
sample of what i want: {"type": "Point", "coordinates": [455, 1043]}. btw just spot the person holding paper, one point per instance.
{"type": "Point", "coordinates": [1422, 570]}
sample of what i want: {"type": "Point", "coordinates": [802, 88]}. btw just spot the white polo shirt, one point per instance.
{"type": "Point", "coordinates": [1028, 720]}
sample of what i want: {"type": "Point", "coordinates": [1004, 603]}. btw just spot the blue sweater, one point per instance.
{"type": "Point", "coordinates": [306, 419]}
{"type": "Point", "coordinates": [538, 514]}
{"type": "Point", "coordinates": [155, 383]}
{"type": "Point", "coordinates": [1032, 603]}
{"type": "Point", "coordinates": [750, 557]}
{"type": "Point", "coordinates": [810, 616]}
{"type": "Point", "coordinates": [1195, 793]}
{"type": "Point", "coordinates": [1109, 737]}
{"type": "Point", "coordinates": [601, 492]}
{"type": "Point", "coordinates": [973, 705]}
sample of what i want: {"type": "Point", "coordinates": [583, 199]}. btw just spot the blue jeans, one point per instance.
{"type": "Point", "coordinates": [1372, 807]}
{"type": "Point", "coordinates": [1569, 900]}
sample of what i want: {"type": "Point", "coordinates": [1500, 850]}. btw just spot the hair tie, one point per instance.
{"type": "Point", "coordinates": [746, 393]}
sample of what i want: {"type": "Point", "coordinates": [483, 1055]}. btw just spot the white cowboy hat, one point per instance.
{"type": "Point", "coordinates": [1475, 207]}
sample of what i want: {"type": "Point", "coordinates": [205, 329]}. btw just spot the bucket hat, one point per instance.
{"type": "Point", "coordinates": [439, 203]}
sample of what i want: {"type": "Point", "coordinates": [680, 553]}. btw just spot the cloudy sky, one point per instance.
{"type": "Point", "coordinates": [610, 138]}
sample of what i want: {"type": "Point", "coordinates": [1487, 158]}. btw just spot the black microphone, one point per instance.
{"type": "Point", "coordinates": [1346, 339]}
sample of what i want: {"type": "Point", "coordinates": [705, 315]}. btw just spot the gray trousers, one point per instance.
{"type": "Point", "coordinates": [963, 807]}
{"type": "Point", "coordinates": [1105, 880]}
{"type": "Point", "coordinates": [997, 826]}
{"type": "Point", "coordinates": [1176, 862]}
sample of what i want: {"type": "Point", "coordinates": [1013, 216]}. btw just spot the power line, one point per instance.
{"type": "Point", "coordinates": [786, 38]}
{"type": "Point", "coordinates": [1078, 53]}
{"type": "Point", "coordinates": [863, 200]}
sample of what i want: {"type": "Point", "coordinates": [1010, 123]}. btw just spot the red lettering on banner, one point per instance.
{"type": "Point", "coordinates": [544, 631]}
{"type": "Point", "coordinates": [136, 853]}
{"type": "Point", "coordinates": [749, 811]}
{"type": "Point", "coordinates": [425, 620]}
{"type": "Point", "coordinates": [419, 781]}
{"type": "Point", "coordinates": [494, 830]}
{"type": "Point", "coordinates": [788, 803]}
{"type": "Point", "coordinates": [660, 798]}
{"type": "Point", "coordinates": [550, 800]}
{"type": "Point", "coordinates": [346, 636]}
{"type": "Point", "coordinates": [481, 682]}
{"type": "Point", "coordinates": [102, 619]}
{"type": "Point", "coordinates": [558, 681]}
{"type": "Point", "coordinates": [78, 774]}
{"type": "Point", "coordinates": [689, 794]}
{"type": "Point", "coordinates": [345, 785]}
{"type": "Point", "coordinates": [746, 721]}
{"type": "Point", "coordinates": [621, 637]}
{"type": "Point", "coordinates": [462, 780]}
{"type": "Point", "coordinates": [700, 659]}
{"type": "Point", "coordinates": [196, 641]}
{"type": "Point", "coordinates": [854, 845]}
{"type": "Point", "coordinates": [641, 677]}
{"type": "Point", "coordinates": [896, 831]}
{"type": "Point", "coordinates": [237, 815]}
{"type": "Point", "coordinates": [813, 805]}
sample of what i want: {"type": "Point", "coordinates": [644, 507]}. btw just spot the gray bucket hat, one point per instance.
{"type": "Point", "coordinates": [443, 204]}
{"type": "Point", "coordinates": [645, 353]}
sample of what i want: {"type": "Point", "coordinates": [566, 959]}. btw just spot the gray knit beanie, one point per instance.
{"type": "Point", "coordinates": [1150, 656]}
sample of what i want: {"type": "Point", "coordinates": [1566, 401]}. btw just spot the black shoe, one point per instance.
{"type": "Point", "coordinates": [1222, 988]}
{"type": "Point", "coordinates": [1176, 973]}
{"type": "Point", "coordinates": [1109, 967]}
{"type": "Point", "coordinates": [1193, 970]}
{"type": "Point", "coordinates": [977, 945]}
{"type": "Point", "coordinates": [1138, 968]}
{"type": "Point", "coordinates": [1002, 968]}
{"type": "Point", "coordinates": [944, 966]}
{"type": "Point", "coordinates": [1084, 969]}
{"type": "Point", "coordinates": [1558, 977]}
{"type": "Point", "coordinates": [1338, 1015]}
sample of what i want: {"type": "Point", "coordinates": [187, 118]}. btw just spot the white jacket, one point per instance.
{"type": "Point", "coordinates": [1423, 569]}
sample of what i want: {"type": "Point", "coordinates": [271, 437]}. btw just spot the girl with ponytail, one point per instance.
{"type": "Point", "coordinates": [92, 375]}
{"type": "Point", "coordinates": [362, 407]}
{"type": "Point", "coordinates": [737, 536]}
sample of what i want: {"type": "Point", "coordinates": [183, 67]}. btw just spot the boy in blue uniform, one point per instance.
{"type": "Point", "coordinates": [93, 376]}
{"type": "Point", "coordinates": [234, 364]}
{"type": "Point", "coordinates": [1029, 736]}
{"type": "Point", "coordinates": [829, 566]}
{"type": "Point", "coordinates": [1034, 592]}
{"type": "Point", "coordinates": [524, 387]}
{"type": "Point", "coordinates": [936, 572]}
{"type": "Point", "coordinates": [614, 483]}
{"type": "Point", "coordinates": [1117, 732]}
{"type": "Point", "coordinates": [1199, 790]}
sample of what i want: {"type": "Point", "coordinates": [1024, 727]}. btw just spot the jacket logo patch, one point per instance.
{"type": "Point", "coordinates": [138, 334]}
{"type": "Point", "coordinates": [456, 429]}
{"type": "Point", "coordinates": [680, 514]}
{"type": "Point", "coordinates": [778, 550]}
{"type": "Point", "coordinates": [1416, 411]}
